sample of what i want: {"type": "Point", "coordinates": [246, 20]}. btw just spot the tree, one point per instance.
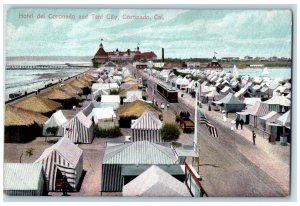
{"type": "Point", "coordinates": [170, 131]}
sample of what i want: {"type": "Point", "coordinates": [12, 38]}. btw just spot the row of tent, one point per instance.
{"type": "Point", "coordinates": [46, 174]}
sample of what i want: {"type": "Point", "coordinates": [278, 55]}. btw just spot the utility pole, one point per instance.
{"type": "Point", "coordinates": [196, 145]}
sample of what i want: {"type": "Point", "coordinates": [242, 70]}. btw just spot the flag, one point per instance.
{"type": "Point", "coordinates": [69, 129]}
{"type": "Point", "coordinates": [211, 128]}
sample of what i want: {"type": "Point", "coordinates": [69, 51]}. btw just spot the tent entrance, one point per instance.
{"type": "Point", "coordinates": [58, 180]}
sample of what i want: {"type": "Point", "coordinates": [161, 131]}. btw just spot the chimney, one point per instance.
{"type": "Point", "coordinates": [163, 55]}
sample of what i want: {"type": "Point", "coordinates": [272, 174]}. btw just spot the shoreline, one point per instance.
{"type": "Point", "coordinates": [9, 101]}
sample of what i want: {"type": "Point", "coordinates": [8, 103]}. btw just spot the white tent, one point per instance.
{"type": "Point", "coordinates": [182, 83]}
{"type": "Point", "coordinates": [110, 98]}
{"type": "Point", "coordinates": [24, 179]}
{"type": "Point", "coordinates": [284, 120]}
{"type": "Point", "coordinates": [251, 100]}
{"type": "Point", "coordinates": [79, 129]}
{"type": "Point", "coordinates": [155, 182]}
{"type": "Point", "coordinates": [56, 120]}
{"type": "Point", "coordinates": [146, 127]}
{"type": "Point", "coordinates": [63, 158]}
{"type": "Point", "coordinates": [104, 117]}
{"type": "Point", "coordinates": [132, 96]}
{"type": "Point", "coordinates": [226, 90]}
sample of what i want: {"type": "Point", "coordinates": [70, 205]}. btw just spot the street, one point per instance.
{"type": "Point", "coordinates": [227, 163]}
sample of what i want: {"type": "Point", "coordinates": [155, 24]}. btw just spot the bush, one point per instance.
{"type": "Point", "coordinates": [170, 131]}
{"type": "Point", "coordinates": [114, 92]}
{"type": "Point", "coordinates": [107, 132]}
{"type": "Point", "coordinates": [52, 130]}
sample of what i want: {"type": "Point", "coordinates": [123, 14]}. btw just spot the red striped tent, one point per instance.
{"type": "Point", "coordinates": [63, 158]}
{"type": "Point", "coordinates": [147, 127]}
{"type": "Point", "coordinates": [79, 129]}
{"type": "Point", "coordinates": [259, 109]}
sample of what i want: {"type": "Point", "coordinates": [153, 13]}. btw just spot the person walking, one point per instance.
{"type": "Point", "coordinates": [237, 122]}
{"type": "Point", "coordinates": [253, 137]}
{"type": "Point", "coordinates": [242, 123]}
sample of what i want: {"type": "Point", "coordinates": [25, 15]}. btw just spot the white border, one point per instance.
{"type": "Point", "coordinates": [157, 4]}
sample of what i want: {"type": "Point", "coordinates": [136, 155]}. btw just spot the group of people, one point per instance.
{"type": "Point", "coordinates": [239, 122]}
{"type": "Point", "coordinates": [162, 105]}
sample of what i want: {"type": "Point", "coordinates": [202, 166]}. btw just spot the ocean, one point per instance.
{"type": "Point", "coordinates": [274, 72]}
{"type": "Point", "coordinates": [30, 80]}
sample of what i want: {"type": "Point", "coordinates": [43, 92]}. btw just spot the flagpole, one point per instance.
{"type": "Point", "coordinates": [196, 124]}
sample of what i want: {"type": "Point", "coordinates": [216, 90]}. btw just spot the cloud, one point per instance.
{"type": "Point", "coordinates": [184, 33]}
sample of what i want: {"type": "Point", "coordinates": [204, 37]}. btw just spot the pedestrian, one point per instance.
{"type": "Point", "coordinates": [168, 106]}
{"type": "Point", "coordinates": [237, 122]}
{"type": "Point", "coordinates": [253, 137]}
{"type": "Point", "coordinates": [224, 117]}
{"type": "Point", "coordinates": [242, 123]}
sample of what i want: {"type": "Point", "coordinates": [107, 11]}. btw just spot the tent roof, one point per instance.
{"type": "Point", "coordinates": [110, 98]}
{"type": "Point", "coordinates": [103, 113]}
{"type": "Point", "coordinates": [22, 176]}
{"type": "Point", "coordinates": [270, 117]}
{"type": "Point", "coordinates": [280, 100]}
{"type": "Point", "coordinates": [258, 109]}
{"type": "Point", "coordinates": [20, 117]}
{"type": "Point", "coordinates": [38, 104]}
{"type": "Point", "coordinates": [212, 94]}
{"type": "Point", "coordinates": [155, 182]}
{"type": "Point", "coordinates": [137, 93]}
{"type": "Point", "coordinates": [140, 152]}
{"type": "Point", "coordinates": [148, 121]}
{"type": "Point", "coordinates": [251, 100]}
{"type": "Point", "coordinates": [284, 120]}
{"type": "Point", "coordinates": [83, 119]}
{"type": "Point", "coordinates": [59, 118]}
{"type": "Point", "coordinates": [56, 94]}
{"type": "Point", "coordinates": [226, 89]}
{"type": "Point", "coordinates": [136, 108]}
{"type": "Point", "coordinates": [230, 99]}
{"type": "Point", "coordinates": [65, 148]}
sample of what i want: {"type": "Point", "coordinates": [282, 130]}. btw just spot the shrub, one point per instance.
{"type": "Point", "coordinates": [52, 130]}
{"type": "Point", "coordinates": [114, 92]}
{"type": "Point", "coordinates": [107, 132]}
{"type": "Point", "coordinates": [170, 131]}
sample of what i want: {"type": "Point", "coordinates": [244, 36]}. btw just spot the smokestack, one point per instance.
{"type": "Point", "coordinates": [163, 55]}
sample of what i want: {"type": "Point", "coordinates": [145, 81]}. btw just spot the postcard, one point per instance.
{"type": "Point", "coordinates": [148, 102]}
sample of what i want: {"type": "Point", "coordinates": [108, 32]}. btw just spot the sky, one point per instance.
{"type": "Point", "coordinates": [183, 33]}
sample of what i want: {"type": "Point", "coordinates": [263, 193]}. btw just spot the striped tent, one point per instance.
{"type": "Point", "coordinates": [79, 129]}
{"type": "Point", "coordinates": [134, 153]}
{"type": "Point", "coordinates": [258, 110]}
{"type": "Point", "coordinates": [63, 158]}
{"type": "Point", "coordinates": [268, 118]}
{"type": "Point", "coordinates": [146, 127]}
{"type": "Point", "coordinates": [24, 179]}
{"type": "Point", "coordinates": [226, 90]}
{"type": "Point", "coordinates": [278, 104]}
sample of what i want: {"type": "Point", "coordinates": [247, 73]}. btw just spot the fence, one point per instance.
{"type": "Point", "coordinates": [193, 182]}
